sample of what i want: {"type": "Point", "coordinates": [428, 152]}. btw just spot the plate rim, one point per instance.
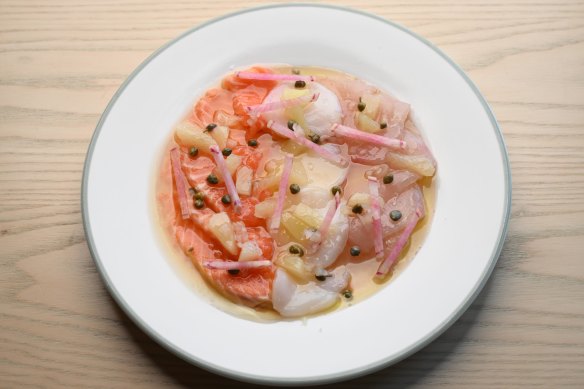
{"type": "Point", "coordinates": [291, 381]}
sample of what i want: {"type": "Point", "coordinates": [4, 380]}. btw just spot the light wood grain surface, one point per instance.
{"type": "Point", "coordinates": [61, 62]}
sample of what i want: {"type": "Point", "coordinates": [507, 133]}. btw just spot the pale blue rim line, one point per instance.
{"type": "Point", "coordinates": [291, 381]}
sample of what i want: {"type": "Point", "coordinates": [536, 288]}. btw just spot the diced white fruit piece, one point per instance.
{"type": "Point", "coordinates": [266, 208]}
{"type": "Point", "coordinates": [272, 180]}
{"type": "Point", "coordinates": [189, 135]}
{"type": "Point", "coordinates": [294, 226]}
{"type": "Point", "coordinates": [372, 103]}
{"type": "Point", "coordinates": [296, 267]}
{"type": "Point", "coordinates": [222, 229]}
{"type": "Point", "coordinates": [365, 123]}
{"type": "Point", "coordinates": [300, 220]}
{"type": "Point", "coordinates": [243, 180]}
{"type": "Point", "coordinates": [420, 164]}
{"type": "Point", "coordinates": [308, 215]}
{"type": "Point", "coordinates": [249, 251]}
{"type": "Point", "coordinates": [220, 134]}
{"type": "Point", "coordinates": [233, 162]}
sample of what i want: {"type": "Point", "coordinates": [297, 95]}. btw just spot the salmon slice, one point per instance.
{"type": "Point", "coordinates": [263, 240]}
{"type": "Point", "coordinates": [243, 98]}
{"type": "Point", "coordinates": [215, 100]}
{"type": "Point", "coordinates": [213, 199]}
{"type": "Point", "coordinates": [197, 170]}
{"type": "Point", "coordinates": [251, 156]}
{"type": "Point", "coordinates": [233, 83]}
{"type": "Point", "coordinates": [250, 287]}
{"type": "Point", "coordinates": [246, 93]}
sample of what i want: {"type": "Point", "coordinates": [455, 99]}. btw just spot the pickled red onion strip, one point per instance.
{"type": "Point", "coordinates": [285, 132]}
{"type": "Point", "coordinates": [180, 181]}
{"type": "Point", "coordinates": [328, 218]}
{"type": "Point", "coordinates": [273, 77]}
{"type": "Point", "coordinates": [387, 264]}
{"type": "Point", "coordinates": [222, 166]}
{"type": "Point", "coordinates": [282, 189]}
{"type": "Point", "coordinates": [232, 265]}
{"type": "Point", "coordinates": [353, 133]}
{"type": "Point", "coordinates": [376, 216]}
{"type": "Point", "coordinates": [254, 110]}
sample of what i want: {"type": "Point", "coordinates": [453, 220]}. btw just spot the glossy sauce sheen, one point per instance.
{"type": "Point", "coordinates": [362, 268]}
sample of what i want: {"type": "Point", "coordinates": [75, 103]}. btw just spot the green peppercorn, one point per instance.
{"type": "Point", "coordinates": [395, 215]}
{"type": "Point", "coordinates": [252, 143]}
{"type": "Point", "coordinates": [210, 127]}
{"type": "Point", "coordinates": [361, 106]}
{"type": "Point", "coordinates": [315, 138]}
{"type": "Point", "coordinates": [233, 272]}
{"type": "Point", "coordinates": [291, 124]}
{"type": "Point", "coordinates": [295, 71]}
{"type": "Point", "coordinates": [227, 151]}
{"type": "Point", "coordinates": [336, 189]}
{"type": "Point", "coordinates": [294, 188]}
{"type": "Point", "coordinates": [199, 204]}
{"type": "Point", "coordinates": [297, 250]}
{"type": "Point", "coordinates": [226, 199]}
{"type": "Point", "coordinates": [348, 294]}
{"type": "Point", "coordinates": [355, 251]}
{"type": "Point", "coordinates": [388, 179]}
{"type": "Point", "coordinates": [383, 125]}
{"type": "Point", "coordinates": [299, 84]}
{"type": "Point", "coordinates": [199, 196]}
{"type": "Point", "coordinates": [322, 274]}
{"type": "Point", "coordinates": [357, 208]}
{"type": "Point", "coordinates": [212, 179]}
{"type": "Point", "coordinates": [193, 151]}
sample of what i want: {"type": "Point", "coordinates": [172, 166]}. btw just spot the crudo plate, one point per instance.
{"type": "Point", "coordinates": [435, 288]}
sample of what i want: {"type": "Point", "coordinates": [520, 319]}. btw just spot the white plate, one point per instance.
{"type": "Point", "coordinates": [471, 214]}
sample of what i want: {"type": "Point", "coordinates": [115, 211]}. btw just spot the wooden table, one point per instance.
{"type": "Point", "coordinates": [61, 62]}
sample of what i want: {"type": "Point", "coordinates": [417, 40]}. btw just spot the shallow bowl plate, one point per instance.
{"type": "Point", "coordinates": [461, 249]}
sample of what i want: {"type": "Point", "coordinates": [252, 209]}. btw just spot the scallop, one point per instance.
{"type": "Point", "coordinates": [317, 117]}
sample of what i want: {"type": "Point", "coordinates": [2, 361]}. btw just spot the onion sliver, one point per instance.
{"type": "Point", "coordinates": [222, 166]}
{"type": "Point", "coordinates": [353, 133]}
{"type": "Point", "coordinates": [376, 216]}
{"type": "Point", "coordinates": [287, 133]}
{"type": "Point", "coordinates": [282, 189]}
{"type": "Point", "coordinates": [254, 110]}
{"type": "Point", "coordinates": [231, 265]}
{"type": "Point", "coordinates": [273, 77]}
{"type": "Point", "coordinates": [328, 218]}
{"type": "Point", "coordinates": [387, 264]}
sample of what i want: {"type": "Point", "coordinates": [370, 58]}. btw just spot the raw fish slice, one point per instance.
{"type": "Point", "coordinates": [360, 233]}
{"type": "Point", "coordinates": [318, 116]}
{"type": "Point", "coordinates": [234, 83]}
{"type": "Point", "coordinates": [292, 300]}
{"type": "Point", "coordinates": [361, 228]}
{"type": "Point", "coordinates": [407, 203]}
{"type": "Point", "coordinates": [250, 287]}
{"type": "Point", "coordinates": [348, 91]}
{"type": "Point", "coordinates": [214, 100]}
{"type": "Point", "coordinates": [402, 180]}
